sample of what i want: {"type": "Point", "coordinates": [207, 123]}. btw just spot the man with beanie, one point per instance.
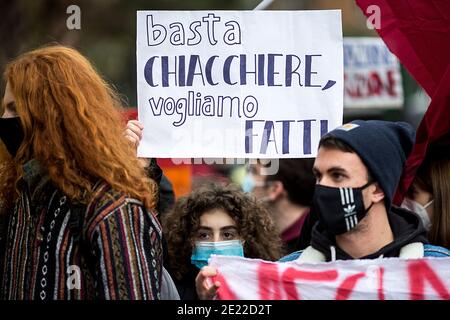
{"type": "Point", "coordinates": [357, 169]}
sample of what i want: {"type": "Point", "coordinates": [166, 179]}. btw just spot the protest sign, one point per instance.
{"type": "Point", "coordinates": [378, 279]}
{"type": "Point", "coordinates": [238, 84]}
{"type": "Point", "coordinates": [372, 75]}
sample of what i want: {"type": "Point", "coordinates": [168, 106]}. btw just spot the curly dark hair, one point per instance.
{"type": "Point", "coordinates": [254, 224]}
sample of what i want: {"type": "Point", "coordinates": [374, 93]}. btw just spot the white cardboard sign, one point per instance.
{"type": "Point", "coordinates": [379, 279]}
{"type": "Point", "coordinates": [372, 75]}
{"type": "Point", "coordinates": [238, 84]}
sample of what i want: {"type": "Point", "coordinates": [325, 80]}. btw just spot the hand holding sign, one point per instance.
{"type": "Point", "coordinates": [206, 288]}
{"type": "Point", "coordinates": [133, 133]}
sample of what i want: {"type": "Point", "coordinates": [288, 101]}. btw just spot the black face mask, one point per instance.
{"type": "Point", "coordinates": [339, 209]}
{"type": "Point", "coordinates": [11, 133]}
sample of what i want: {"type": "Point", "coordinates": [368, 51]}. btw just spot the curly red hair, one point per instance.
{"type": "Point", "coordinates": [255, 226]}
{"type": "Point", "coordinates": [72, 125]}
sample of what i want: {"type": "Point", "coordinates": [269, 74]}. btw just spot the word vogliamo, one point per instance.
{"type": "Point", "coordinates": [196, 105]}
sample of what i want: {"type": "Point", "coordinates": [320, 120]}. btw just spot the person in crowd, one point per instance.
{"type": "Point", "coordinates": [216, 220]}
{"type": "Point", "coordinates": [81, 215]}
{"type": "Point", "coordinates": [357, 169]}
{"type": "Point", "coordinates": [429, 195]}
{"type": "Point", "coordinates": [288, 195]}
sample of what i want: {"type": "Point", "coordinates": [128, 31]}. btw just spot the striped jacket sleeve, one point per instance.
{"type": "Point", "coordinates": [126, 246]}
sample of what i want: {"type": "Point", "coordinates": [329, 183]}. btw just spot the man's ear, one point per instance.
{"type": "Point", "coordinates": [275, 190]}
{"type": "Point", "coordinates": [377, 194]}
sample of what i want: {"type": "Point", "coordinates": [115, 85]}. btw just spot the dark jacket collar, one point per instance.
{"type": "Point", "coordinates": [406, 227]}
{"type": "Point", "coordinates": [33, 174]}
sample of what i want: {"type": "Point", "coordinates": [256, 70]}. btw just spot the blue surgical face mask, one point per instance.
{"type": "Point", "coordinates": [203, 250]}
{"type": "Point", "coordinates": [248, 183]}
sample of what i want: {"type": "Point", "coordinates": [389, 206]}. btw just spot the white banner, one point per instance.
{"type": "Point", "coordinates": [372, 75]}
{"type": "Point", "coordinates": [238, 84]}
{"type": "Point", "coordinates": [379, 279]}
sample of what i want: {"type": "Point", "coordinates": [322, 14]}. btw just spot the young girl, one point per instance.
{"type": "Point", "coordinates": [216, 220]}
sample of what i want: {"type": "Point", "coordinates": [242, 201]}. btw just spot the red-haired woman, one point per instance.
{"type": "Point", "coordinates": [80, 207]}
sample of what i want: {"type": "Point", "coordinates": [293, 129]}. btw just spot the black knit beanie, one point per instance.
{"type": "Point", "coordinates": [383, 146]}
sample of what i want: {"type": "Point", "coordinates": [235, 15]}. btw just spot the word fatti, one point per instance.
{"type": "Point", "coordinates": [262, 133]}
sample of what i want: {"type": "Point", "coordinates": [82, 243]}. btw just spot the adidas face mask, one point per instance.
{"type": "Point", "coordinates": [339, 209]}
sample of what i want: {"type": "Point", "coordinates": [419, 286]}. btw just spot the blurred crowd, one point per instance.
{"type": "Point", "coordinates": [76, 200]}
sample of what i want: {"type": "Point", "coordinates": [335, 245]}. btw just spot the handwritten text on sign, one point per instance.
{"type": "Point", "coordinates": [238, 84]}
{"type": "Point", "coordinates": [372, 74]}
{"type": "Point", "coordinates": [379, 279]}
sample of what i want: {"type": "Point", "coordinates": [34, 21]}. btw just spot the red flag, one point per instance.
{"type": "Point", "coordinates": [434, 129]}
{"type": "Point", "coordinates": [418, 33]}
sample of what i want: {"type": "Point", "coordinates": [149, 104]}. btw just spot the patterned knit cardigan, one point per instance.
{"type": "Point", "coordinates": [109, 249]}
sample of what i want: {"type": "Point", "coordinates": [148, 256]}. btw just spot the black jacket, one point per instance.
{"type": "Point", "coordinates": [406, 227]}
{"type": "Point", "coordinates": [166, 197]}
{"type": "Point", "coordinates": [3, 230]}
{"type": "Point", "coordinates": [186, 286]}
{"type": "Point", "coordinates": [304, 240]}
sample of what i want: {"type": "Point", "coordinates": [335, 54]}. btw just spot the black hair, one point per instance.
{"type": "Point", "coordinates": [297, 178]}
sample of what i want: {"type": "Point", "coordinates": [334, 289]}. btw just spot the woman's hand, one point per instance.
{"type": "Point", "coordinates": [206, 289]}
{"type": "Point", "coordinates": [133, 133]}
